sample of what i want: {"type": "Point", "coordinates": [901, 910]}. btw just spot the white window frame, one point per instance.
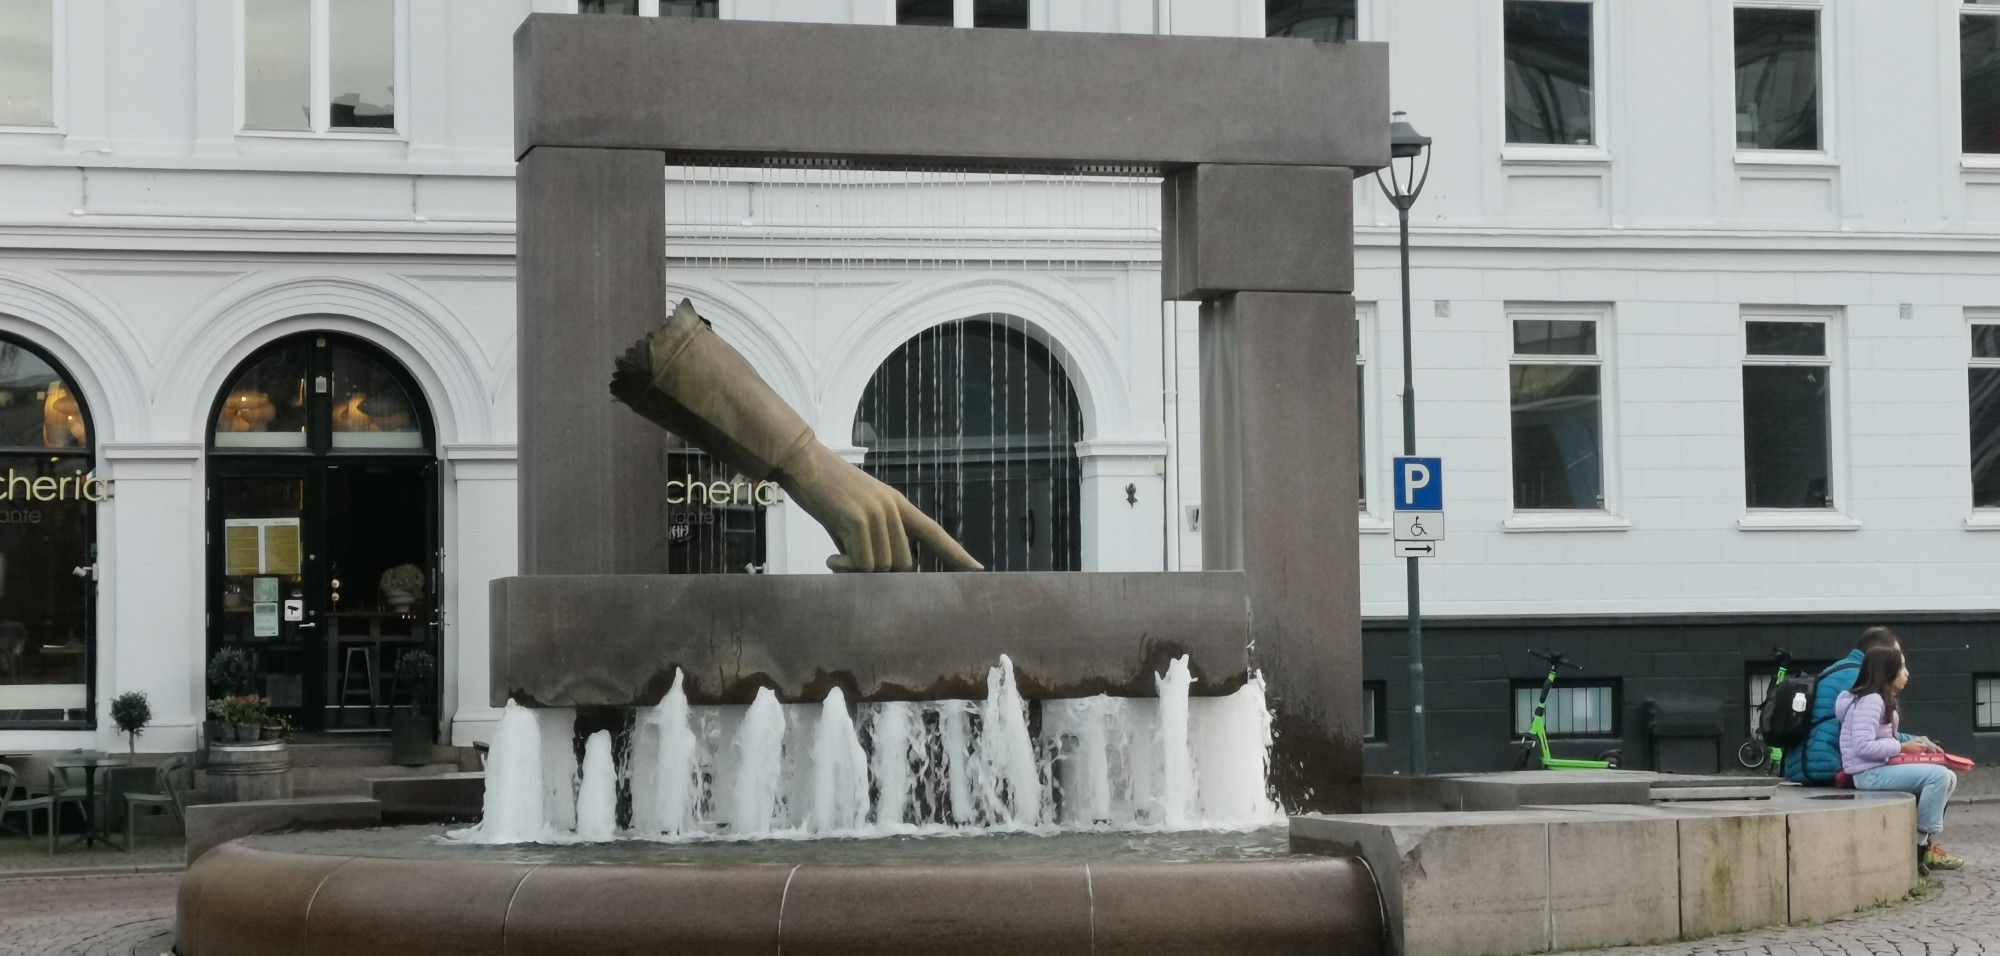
{"type": "Point", "coordinates": [1599, 151]}
{"type": "Point", "coordinates": [1985, 685]}
{"type": "Point", "coordinates": [1607, 518]}
{"type": "Point", "coordinates": [1834, 517]}
{"type": "Point", "coordinates": [1987, 518]}
{"type": "Point", "coordinates": [59, 81]}
{"type": "Point", "coordinates": [320, 82]}
{"type": "Point", "coordinates": [1954, 89]}
{"type": "Point", "coordinates": [1829, 94]}
{"type": "Point", "coordinates": [1367, 368]}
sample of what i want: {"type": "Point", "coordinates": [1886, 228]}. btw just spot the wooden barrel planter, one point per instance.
{"type": "Point", "coordinates": [249, 771]}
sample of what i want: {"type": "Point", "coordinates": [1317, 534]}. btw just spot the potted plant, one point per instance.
{"type": "Point", "coordinates": [131, 713]}
{"type": "Point", "coordinates": [248, 713]}
{"type": "Point", "coordinates": [410, 732]}
{"type": "Point", "coordinates": [230, 676]}
{"type": "Point", "coordinates": [401, 586]}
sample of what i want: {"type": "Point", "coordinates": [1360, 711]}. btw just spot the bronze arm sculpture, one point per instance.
{"type": "Point", "coordinates": [684, 378]}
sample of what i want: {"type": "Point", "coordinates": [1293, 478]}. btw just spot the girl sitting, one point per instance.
{"type": "Point", "coordinates": [1868, 718]}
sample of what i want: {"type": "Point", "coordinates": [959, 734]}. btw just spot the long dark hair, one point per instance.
{"type": "Point", "coordinates": [1879, 669]}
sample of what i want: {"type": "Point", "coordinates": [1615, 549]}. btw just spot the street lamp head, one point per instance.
{"type": "Point", "coordinates": [1406, 145]}
{"type": "Point", "coordinates": [1404, 140]}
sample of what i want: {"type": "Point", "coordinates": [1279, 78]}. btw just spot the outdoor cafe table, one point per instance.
{"type": "Point", "coordinates": [92, 765]}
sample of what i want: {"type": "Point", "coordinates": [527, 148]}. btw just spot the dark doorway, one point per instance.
{"type": "Point", "coordinates": [323, 531]}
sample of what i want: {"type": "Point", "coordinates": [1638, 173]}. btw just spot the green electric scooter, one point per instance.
{"type": "Point", "coordinates": [1537, 740]}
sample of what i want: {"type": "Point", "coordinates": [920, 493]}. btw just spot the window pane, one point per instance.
{"type": "Point", "coordinates": [688, 8]}
{"type": "Point", "coordinates": [1557, 464]}
{"type": "Point", "coordinates": [44, 609]}
{"type": "Point", "coordinates": [1555, 337]}
{"type": "Point", "coordinates": [1548, 72]}
{"type": "Point", "coordinates": [629, 8]}
{"type": "Point", "coordinates": [1006, 14]}
{"type": "Point", "coordinates": [924, 13]}
{"type": "Point", "coordinates": [1777, 79]}
{"type": "Point", "coordinates": [1986, 703]}
{"type": "Point", "coordinates": [266, 405]}
{"type": "Point", "coordinates": [1979, 84]}
{"type": "Point", "coordinates": [277, 60]}
{"type": "Point", "coordinates": [1986, 341]}
{"type": "Point", "coordinates": [1785, 338]}
{"type": "Point", "coordinates": [371, 409]}
{"type": "Point", "coordinates": [1985, 406]}
{"type": "Point", "coordinates": [1573, 711]}
{"type": "Point", "coordinates": [1330, 20]}
{"type": "Point", "coordinates": [362, 46]}
{"type": "Point", "coordinates": [1785, 437]}
{"type": "Point", "coordinates": [37, 408]}
{"type": "Point", "coordinates": [1361, 434]}
{"type": "Point", "coordinates": [27, 64]}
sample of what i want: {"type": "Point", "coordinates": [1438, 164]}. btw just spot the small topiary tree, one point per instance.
{"type": "Point", "coordinates": [230, 673]}
{"type": "Point", "coordinates": [131, 713]}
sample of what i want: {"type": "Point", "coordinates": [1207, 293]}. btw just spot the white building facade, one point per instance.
{"type": "Point", "coordinates": [1664, 248]}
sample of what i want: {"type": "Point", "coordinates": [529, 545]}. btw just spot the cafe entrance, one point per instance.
{"type": "Point", "coordinates": [323, 521]}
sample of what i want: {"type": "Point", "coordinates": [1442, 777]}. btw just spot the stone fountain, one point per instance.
{"type": "Point", "coordinates": [1257, 141]}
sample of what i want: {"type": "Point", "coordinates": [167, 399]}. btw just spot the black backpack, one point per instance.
{"type": "Point", "coordinates": [1785, 718]}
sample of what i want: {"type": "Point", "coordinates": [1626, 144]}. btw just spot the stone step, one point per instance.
{"type": "Point", "coordinates": [346, 779]}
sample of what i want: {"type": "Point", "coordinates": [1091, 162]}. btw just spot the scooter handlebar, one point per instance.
{"type": "Point", "coordinates": [1555, 660]}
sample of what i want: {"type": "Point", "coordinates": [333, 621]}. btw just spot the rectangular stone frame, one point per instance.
{"type": "Point", "coordinates": [1258, 140]}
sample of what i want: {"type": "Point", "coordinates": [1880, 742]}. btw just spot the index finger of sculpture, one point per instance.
{"type": "Point", "coordinates": [922, 528]}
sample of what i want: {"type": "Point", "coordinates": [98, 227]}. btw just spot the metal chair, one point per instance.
{"type": "Point", "coordinates": [10, 803]}
{"type": "Point", "coordinates": [171, 778]}
{"type": "Point", "coordinates": [70, 785]}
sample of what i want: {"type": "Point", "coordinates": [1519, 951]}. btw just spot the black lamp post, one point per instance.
{"type": "Point", "coordinates": [1407, 146]}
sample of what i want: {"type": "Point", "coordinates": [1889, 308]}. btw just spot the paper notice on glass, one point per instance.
{"type": "Point", "coordinates": [261, 546]}
{"type": "Point", "coordinates": [264, 619]}
{"type": "Point", "coordinates": [264, 590]}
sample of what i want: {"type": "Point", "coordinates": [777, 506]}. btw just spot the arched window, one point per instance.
{"type": "Point", "coordinates": [976, 423]}
{"type": "Point", "coordinates": [323, 528]}
{"type": "Point", "coordinates": [48, 497]}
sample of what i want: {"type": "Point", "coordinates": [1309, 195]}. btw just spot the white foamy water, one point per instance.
{"type": "Point", "coordinates": [1175, 762]}
{"type": "Point", "coordinates": [597, 795]}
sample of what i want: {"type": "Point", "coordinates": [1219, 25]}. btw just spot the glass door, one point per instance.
{"type": "Point", "coordinates": [267, 583]}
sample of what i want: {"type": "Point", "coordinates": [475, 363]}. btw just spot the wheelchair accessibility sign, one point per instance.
{"type": "Point", "coordinates": [1419, 514]}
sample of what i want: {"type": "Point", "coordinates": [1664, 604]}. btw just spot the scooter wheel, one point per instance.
{"type": "Point", "coordinates": [1752, 754]}
{"type": "Point", "coordinates": [1610, 758]}
{"type": "Point", "coordinates": [1525, 750]}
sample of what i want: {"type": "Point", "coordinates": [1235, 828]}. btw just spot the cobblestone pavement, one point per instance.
{"type": "Point", "coordinates": [1958, 915]}
{"type": "Point", "coordinates": [93, 915]}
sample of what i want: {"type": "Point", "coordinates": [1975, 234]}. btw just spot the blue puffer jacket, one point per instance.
{"type": "Point", "coordinates": [1819, 759]}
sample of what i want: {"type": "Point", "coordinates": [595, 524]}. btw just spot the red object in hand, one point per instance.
{"type": "Point", "coordinates": [1939, 757]}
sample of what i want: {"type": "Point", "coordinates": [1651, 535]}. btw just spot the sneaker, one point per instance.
{"type": "Point", "coordinates": [1935, 858]}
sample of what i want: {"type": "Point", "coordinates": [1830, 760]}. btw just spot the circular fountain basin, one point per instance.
{"type": "Point", "coordinates": [405, 889]}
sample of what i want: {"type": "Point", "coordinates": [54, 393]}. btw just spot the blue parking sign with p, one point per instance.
{"type": "Point", "coordinates": [1419, 484]}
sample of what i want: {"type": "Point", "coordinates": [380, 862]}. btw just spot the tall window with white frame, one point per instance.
{"type": "Point", "coordinates": [1361, 406]}
{"type": "Point", "coordinates": [1983, 399]}
{"type": "Point", "coordinates": [1787, 410]}
{"type": "Point", "coordinates": [1979, 79]}
{"type": "Point", "coordinates": [1556, 387]}
{"type": "Point", "coordinates": [314, 66]}
{"type": "Point", "coordinates": [1001, 14]}
{"type": "Point", "coordinates": [1548, 81]}
{"type": "Point", "coordinates": [27, 63]}
{"type": "Point", "coordinates": [1329, 20]}
{"type": "Point", "coordinates": [1777, 77]}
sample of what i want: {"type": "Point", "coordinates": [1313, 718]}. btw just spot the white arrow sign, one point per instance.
{"type": "Point", "coordinates": [1416, 549]}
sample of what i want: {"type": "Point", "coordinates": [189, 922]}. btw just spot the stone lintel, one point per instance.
{"type": "Point", "coordinates": [561, 641]}
{"type": "Point", "coordinates": [742, 92]}
{"type": "Point", "coordinates": [1237, 228]}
